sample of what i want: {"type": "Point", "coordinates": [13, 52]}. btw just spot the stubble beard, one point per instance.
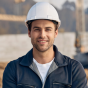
{"type": "Point", "coordinates": [38, 47]}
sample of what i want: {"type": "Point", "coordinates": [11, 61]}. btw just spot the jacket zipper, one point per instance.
{"type": "Point", "coordinates": [45, 80]}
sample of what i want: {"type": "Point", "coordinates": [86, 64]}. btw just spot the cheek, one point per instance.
{"type": "Point", "coordinates": [51, 36]}
{"type": "Point", "coordinates": [34, 36]}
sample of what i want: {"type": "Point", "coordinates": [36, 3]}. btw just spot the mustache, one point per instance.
{"type": "Point", "coordinates": [40, 38]}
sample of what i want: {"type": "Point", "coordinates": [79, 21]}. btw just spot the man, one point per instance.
{"type": "Point", "coordinates": [44, 66]}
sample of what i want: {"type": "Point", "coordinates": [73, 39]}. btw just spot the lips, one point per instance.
{"type": "Point", "coordinates": [42, 41]}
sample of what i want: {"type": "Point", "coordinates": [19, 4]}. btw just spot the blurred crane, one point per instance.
{"type": "Point", "coordinates": [80, 42]}
{"type": "Point", "coordinates": [80, 26]}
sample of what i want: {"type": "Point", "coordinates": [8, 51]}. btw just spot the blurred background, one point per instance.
{"type": "Point", "coordinates": [72, 39]}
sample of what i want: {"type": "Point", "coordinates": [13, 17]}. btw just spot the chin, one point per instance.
{"type": "Point", "coordinates": [42, 49]}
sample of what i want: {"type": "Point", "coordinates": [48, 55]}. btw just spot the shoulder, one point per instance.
{"type": "Point", "coordinates": [75, 66]}
{"type": "Point", "coordinates": [11, 69]}
{"type": "Point", "coordinates": [72, 62]}
{"type": "Point", "coordinates": [12, 65]}
{"type": "Point", "coordinates": [78, 74]}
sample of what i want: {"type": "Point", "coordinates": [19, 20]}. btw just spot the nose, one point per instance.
{"type": "Point", "coordinates": [42, 34]}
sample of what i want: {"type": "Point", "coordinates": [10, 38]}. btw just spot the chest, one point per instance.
{"type": "Point", "coordinates": [59, 78]}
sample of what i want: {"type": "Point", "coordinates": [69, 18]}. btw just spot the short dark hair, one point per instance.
{"type": "Point", "coordinates": [29, 24]}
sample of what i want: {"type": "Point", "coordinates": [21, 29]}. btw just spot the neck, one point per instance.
{"type": "Point", "coordinates": [43, 57]}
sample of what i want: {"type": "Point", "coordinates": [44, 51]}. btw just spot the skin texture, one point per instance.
{"type": "Point", "coordinates": [42, 36]}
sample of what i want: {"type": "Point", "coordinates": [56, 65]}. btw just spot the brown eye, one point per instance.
{"type": "Point", "coordinates": [37, 29]}
{"type": "Point", "coordinates": [48, 29]}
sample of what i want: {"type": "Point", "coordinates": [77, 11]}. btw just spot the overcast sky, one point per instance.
{"type": "Point", "coordinates": [58, 3]}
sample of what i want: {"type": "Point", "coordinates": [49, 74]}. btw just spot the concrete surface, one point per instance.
{"type": "Point", "coordinates": [14, 46]}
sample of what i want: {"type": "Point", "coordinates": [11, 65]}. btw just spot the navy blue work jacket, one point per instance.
{"type": "Point", "coordinates": [63, 73]}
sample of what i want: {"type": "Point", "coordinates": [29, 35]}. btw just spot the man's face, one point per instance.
{"type": "Point", "coordinates": [42, 34]}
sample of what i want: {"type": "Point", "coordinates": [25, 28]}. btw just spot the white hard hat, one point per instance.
{"type": "Point", "coordinates": [43, 10]}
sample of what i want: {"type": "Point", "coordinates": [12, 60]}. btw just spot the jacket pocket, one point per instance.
{"type": "Point", "coordinates": [61, 85]}
{"type": "Point", "coordinates": [25, 86]}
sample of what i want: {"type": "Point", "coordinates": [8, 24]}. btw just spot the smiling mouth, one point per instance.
{"type": "Point", "coordinates": [42, 41]}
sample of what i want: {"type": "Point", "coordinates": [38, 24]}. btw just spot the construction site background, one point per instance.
{"type": "Point", "coordinates": [13, 15]}
{"type": "Point", "coordinates": [14, 41]}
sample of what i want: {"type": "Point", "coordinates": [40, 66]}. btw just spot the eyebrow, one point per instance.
{"type": "Point", "coordinates": [35, 27]}
{"type": "Point", "coordinates": [49, 27]}
{"type": "Point", "coordinates": [39, 27]}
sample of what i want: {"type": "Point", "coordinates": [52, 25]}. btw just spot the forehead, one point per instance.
{"type": "Point", "coordinates": [43, 23]}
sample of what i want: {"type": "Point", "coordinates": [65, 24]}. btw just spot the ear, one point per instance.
{"type": "Point", "coordinates": [29, 33]}
{"type": "Point", "coordinates": [56, 33]}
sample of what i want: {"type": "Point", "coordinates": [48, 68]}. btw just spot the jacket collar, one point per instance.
{"type": "Point", "coordinates": [59, 58]}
